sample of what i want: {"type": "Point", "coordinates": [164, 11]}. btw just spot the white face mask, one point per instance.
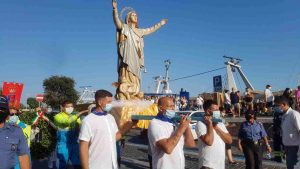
{"type": "Point", "coordinates": [69, 110]}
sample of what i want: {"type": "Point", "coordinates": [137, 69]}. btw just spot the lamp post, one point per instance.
{"type": "Point", "coordinates": [166, 88]}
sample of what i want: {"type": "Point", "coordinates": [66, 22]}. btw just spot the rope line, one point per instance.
{"type": "Point", "coordinates": [197, 74]}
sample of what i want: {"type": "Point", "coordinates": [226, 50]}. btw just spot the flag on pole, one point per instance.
{"type": "Point", "coordinates": [13, 92]}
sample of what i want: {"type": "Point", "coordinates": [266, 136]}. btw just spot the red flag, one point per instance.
{"type": "Point", "coordinates": [13, 92]}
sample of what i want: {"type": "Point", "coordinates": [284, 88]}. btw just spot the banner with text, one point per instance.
{"type": "Point", "coordinates": [13, 91]}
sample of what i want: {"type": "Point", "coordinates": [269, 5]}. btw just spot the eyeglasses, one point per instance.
{"type": "Point", "coordinates": [14, 114]}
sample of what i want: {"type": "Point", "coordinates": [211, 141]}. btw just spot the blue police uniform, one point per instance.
{"type": "Point", "coordinates": [12, 143]}
{"type": "Point", "coordinates": [251, 138]}
{"type": "Point", "coordinates": [252, 132]}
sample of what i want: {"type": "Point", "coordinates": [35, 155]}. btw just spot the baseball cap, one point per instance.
{"type": "Point", "coordinates": [3, 103]}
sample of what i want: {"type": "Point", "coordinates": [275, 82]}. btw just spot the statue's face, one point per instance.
{"type": "Point", "coordinates": [133, 18]}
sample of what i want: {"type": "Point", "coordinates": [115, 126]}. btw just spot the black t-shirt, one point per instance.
{"type": "Point", "coordinates": [234, 98]}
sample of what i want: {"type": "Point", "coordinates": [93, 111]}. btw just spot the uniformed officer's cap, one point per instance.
{"type": "Point", "coordinates": [3, 103]}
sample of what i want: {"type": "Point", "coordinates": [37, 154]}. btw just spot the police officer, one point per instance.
{"type": "Point", "coordinates": [12, 141]}
{"type": "Point", "coordinates": [14, 119]}
{"type": "Point", "coordinates": [250, 138]}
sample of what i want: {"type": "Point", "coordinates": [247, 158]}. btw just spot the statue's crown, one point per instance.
{"type": "Point", "coordinates": [126, 10]}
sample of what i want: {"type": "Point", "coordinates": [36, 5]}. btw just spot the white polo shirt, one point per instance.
{"type": "Point", "coordinates": [290, 127]}
{"type": "Point", "coordinates": [159, 130]}
{"type": "Point", "coordinates": [211, 156]}
{"type": "Point", "coordinates": [100, 132]}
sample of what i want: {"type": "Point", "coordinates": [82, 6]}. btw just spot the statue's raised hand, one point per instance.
{"type": "Point", "coordinates": [163, 21]}
{"type": "Point", "coordinates": [114, 4]}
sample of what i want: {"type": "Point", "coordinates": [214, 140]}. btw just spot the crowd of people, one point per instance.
{"type": "Point", "coordinates": [236, 104]}
{"type": "Point", "coordinates": [89, 141]}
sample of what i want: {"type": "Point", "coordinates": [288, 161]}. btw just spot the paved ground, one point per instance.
{"type": "Point", "coordinates": [135, 156]}
{"type": "Point", "coordinates": [136, 151]}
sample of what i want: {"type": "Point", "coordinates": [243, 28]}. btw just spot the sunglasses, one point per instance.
{"type": "Point", "coordinates": [14, 114]}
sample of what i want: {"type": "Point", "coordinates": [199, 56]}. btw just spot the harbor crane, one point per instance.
{"type": "Point", "coordinates": [232, 64]}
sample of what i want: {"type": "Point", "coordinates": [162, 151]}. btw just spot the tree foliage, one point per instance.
{"type": "Point", "coordinates": [32, 103]}
{"type": "Point", "coordinates": [45, 141]}
{"type": "Point", "coordinates": [22, 106]}
{"type": "Point", "coordinates": [58, 89]}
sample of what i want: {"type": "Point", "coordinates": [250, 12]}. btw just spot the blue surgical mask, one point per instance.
{"type": "Point", "coordinates": [277, 109]}
{"type": "Point", "coordinates": [170, 114]}
{"type": "Point", "coordinates": [108, 107]}
{"type": "Point", "coordinates": [13, 119]}
{"type": "Point", "coordinates": [216, 114]}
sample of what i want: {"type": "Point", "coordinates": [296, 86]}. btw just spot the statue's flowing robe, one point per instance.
{"type": "Point", "coordinates": [131, 51]}
{"type": "Point", "coordinates": [131, 55]}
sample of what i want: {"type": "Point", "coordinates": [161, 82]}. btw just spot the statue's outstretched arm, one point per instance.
{"type": "Point", "coordinates": [117, 20]}
{"type": "Point", "coordinates": [154, 28]}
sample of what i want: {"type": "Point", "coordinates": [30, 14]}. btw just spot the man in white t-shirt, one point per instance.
{"type": "Point", "coordinates": [98, 135]}
{"type": "Point", "coordinates": [269, 98]}
{"type": "Point", "coordinates": [199, 102]}
{"type": "Point", "coordinates": [166, 139]}
{"type": "Point", "coordinates": [212, 139]}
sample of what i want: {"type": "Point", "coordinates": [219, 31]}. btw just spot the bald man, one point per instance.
{"type": "Point", "coordinates": [167, 138]}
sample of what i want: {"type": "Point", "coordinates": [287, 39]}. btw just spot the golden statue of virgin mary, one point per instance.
{"type": "Point", "coordinates": [130, 43]}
